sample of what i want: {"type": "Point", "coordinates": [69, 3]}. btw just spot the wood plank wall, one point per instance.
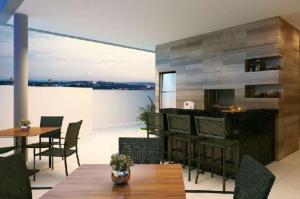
{"type": "Point", "coordinates": [217, 60]}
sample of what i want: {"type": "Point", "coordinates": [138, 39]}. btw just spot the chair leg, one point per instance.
{"type": "Point", "coordinates": [212, 161]}
{"type": "Point", "coordinates": [171, 150]}
{"type": "Point", "coordinates": [189, 155]}
{"type": "Point", "coordinates": [52, 162]}
{"type": "Point", "coordinates": [34, 164]}
{"type": "Point", "coordinates": [223, 167]}
{"type": "Point", "coordinates": [49, 149]}
{"type": "Point", "coordinates": [40, 157]}
{"type": "Point", "coordinates": [59, 141]}
{"type": "Point", "coordinates": [237, 155]}
{"type": "Point", "coordinates": [77, 156]}
{"type": "Point", "coordinates": [198, 163]}
{"type": "Point", "coordinates": [203, 161]}
{"type": "Point", "coordinates": [66, 166]}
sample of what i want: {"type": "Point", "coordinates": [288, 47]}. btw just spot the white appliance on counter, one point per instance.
{"type": "Point", "coordinates": [188, 105]}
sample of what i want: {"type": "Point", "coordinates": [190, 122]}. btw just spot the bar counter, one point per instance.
{"type": "Point", "coordinates": [254, 129]}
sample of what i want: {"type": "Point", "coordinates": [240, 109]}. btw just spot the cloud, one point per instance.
{"type": "Point", "coordinates": [62, 58]}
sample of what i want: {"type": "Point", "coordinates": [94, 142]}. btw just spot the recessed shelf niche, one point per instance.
{"type": "Point", "coordinates": [263, 64]}
{"type": "Point", "coordinates": [263, 91]}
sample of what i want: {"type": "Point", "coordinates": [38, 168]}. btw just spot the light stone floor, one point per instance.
{"type": "Point", "coordinates": [96, 148]}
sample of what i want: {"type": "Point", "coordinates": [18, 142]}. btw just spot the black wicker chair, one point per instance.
{"type": "Point", "coordinates": [179, 127]}
{"type": "Point", "coordinates": [141, 150]}
{"type": "Point", "coordinates": [7, 149]}
{"type": "Point", "coordinates": [154, 123]}
{"type": "Point", "coordinates": [14, 181]}
{"type": "Point", "coordinates": [70, 146]}
{"type": "Point", "coordinates": [253, 181]}
{"type": "Point", "coordinates": [49, 121]}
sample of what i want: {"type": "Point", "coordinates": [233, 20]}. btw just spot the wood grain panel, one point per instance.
{"type": "Point", "coordinates": [217, 60]}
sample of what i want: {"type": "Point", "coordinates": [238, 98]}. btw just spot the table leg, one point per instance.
{"type": "Point", "coordinates": [20, 143]}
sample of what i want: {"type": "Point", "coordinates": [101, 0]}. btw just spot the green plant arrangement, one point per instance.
{"type": "Point", "coordinates": [120, 168]}
{"type": "Point", "coordinates": [24, 125]}
{"type": "Point", "coordinates": [150, 107]}
{"type": "Point", "coordinates": [120, 162]}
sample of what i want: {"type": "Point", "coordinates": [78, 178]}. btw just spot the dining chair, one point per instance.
{"type": "Point", "coordinates": [7, 149]}
{"type": "Point", "coordinates": [141, 150]}
{"type": "Point", "coordinates": [14, 180]}
{"type": "Point", "coordinates": [212, 133]}
{"type": "Point", "coordinates": [49, 121]}
{"type": "Point", "coordinates": [69, 147]}
{"type": "Point", "coordinates": [253, 180]}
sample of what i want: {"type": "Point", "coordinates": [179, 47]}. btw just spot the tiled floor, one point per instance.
{"type": "Point", "coordinates": [97, 147]}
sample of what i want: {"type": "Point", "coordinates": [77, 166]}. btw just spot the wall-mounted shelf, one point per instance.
{"type": "Point", "coordinates": [263, 91]}
{"type": "Point", "coordinates": [263, 64]}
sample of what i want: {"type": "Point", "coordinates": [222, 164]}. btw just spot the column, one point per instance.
{"type": "Point", "coordinates": [20, 75]}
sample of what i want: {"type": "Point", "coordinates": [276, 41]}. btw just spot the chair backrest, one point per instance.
{"type": "Point", "coordinates": [51, 121]}
{"type": "Point", "coordinates": [14, 181]}
{"type": "Point", "coordinates": [72, 134]}
{"type": "Point", "coordinates": [210, 127]}
{"type": "Point", "coordinates": [142, 150]}
{"type": "Point", "coordinates": [179, 123]}
{"type": "Point", "coordinates": [253, 181]}
{"type": "Point", "coordinates": [154, 122]}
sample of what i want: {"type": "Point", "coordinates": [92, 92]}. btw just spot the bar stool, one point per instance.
{"type": "Point", "coordinates": [212, 133]}
{"type": "Point", "coordinates": [179, 127]}
{"type": "Point", "coordinates": [154, 126]}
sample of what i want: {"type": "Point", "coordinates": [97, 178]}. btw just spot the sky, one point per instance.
{"type": "Point", "coordinates": [62, 58]}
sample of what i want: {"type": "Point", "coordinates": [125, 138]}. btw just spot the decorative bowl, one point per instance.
{"type": "Point", "coordinates": [120, 177]}
{"type": "Point", "coordinates": [24, 128]}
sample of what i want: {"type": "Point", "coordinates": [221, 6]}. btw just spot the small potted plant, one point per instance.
{"type": "Point", "coordinates": [120, 168]}
{"type": "Point", "coordinates": [24, 125]}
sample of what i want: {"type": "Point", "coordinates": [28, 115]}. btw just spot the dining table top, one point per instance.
{"type": "Point", "coordinates": [147, 181]}
{"type": "Point", "coordinates": [33, 131]}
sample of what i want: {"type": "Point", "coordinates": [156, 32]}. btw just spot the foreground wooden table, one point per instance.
{"type": "Point", "coordinates": [147, 181]}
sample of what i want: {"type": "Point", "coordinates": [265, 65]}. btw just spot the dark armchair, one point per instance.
{"type": "Point", "coordinates": [14, 181]}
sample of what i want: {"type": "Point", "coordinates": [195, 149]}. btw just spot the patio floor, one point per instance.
{"type": "Point", "coordinates": [96, 148]}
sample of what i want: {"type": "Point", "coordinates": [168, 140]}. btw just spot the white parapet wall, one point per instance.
{"type": "Point", "coordinates": [118, 107]}
{"type": "Point", "coordinates": [72, 103]}
{"type": "Point", "coordinates": [97, 108]}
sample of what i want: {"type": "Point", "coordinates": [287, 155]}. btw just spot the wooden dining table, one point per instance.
{"type": "Point", "coordinates": [148, 181]}
{"type": "Point", "coordinates": [33, 131]}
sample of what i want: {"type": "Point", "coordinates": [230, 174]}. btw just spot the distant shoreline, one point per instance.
{"type": "Point", "coordinates": [96, 85]}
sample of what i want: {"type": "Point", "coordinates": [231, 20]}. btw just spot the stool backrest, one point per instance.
{"type": "Point", "coordinates": [210, 127]}
{"type": "Point", "coordinates": [179, 123]}
{"type": "Point", "coordinates": [154, 121]}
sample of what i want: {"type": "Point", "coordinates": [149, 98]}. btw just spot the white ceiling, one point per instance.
{"type": "Point", "coordinates": [146, 23]}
